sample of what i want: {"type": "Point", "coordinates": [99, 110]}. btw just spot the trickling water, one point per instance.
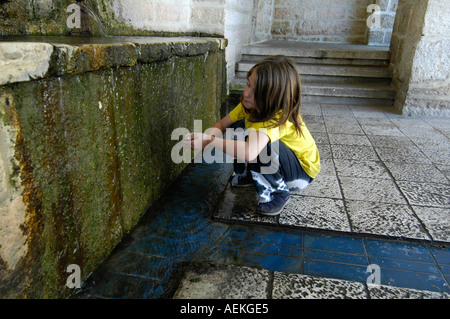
{"type": "Point", "coordinates": [84, 7]}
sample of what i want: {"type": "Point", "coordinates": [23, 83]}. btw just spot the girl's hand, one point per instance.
{"type": "Point", "coordinates": [197, 141]}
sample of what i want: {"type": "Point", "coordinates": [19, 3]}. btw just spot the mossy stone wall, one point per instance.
{"type": "Point", "coordinates": [93, 150]}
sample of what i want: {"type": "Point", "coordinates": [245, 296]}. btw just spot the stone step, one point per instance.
{"type": "Point", "coordinates": [319, 60]}
{"type": "Point", "coordinates": [204, 281]}
{"type": "Point", "coordinates": [330, 73]}
{"type": "Point", "coordinates": [356, 89]}
{"type": "Point", "coordinates": [318, 50]}
{"type": "Point", "coordinates": [337, 93]}
{"type": "Point", "coordinates": [327, 70]}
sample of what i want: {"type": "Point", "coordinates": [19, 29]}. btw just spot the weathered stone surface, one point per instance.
{"type": "Point", "coordinates": [223, 282]}
{"type": "Point", "coordinates": [296, 286]}
{"type": "Point", "coordinates": [24, 61]}
{"type": "Point", "coordinates": [13, 244]}
{"type": "Point", "coordinates": [384, 219]}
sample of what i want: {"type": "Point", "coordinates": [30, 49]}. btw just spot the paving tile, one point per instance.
{"type": "Point", "coordinates": [324, 151]}
{"type": "Point", "coordinates": [389, 141]}
{"type": "Point", "coordinates": [138, 264]}
{"type": "Point", "coordinates": [374, 121]}
{"type": "Point", "coordinates": [440, 124]}
{"type": "Point", "coordinates": [444, 169]}
{"type": "Point", "coordinates": [381, 129]}
{"type": "Point", "coordinates": [438, 155]}
{"type": "Point", "coordinates": [388, 292]}
{"type": "Point", "coordinates": [296, 286]}
{"type": "Point", "coordinates": [363, 169]}
{"type": "Point", "coordinates": [372, 190]}
{"type": "Point", "coordinates": [335, 270]}
{"type": "Point", "coordinates": [354, 152]}
{"type": "Point", "coordinates": [384, 219]}
{"type": "Point", "coordinates": [342, 125]}
{"type": "Point", "coordinates": [223, 282]}
{"type": "Point", "coordinates": [311, 109]}
{"type": "Point", "coordinates": [321, 255]}
{"type": "Point", "coordinates": [323, 186]}
{"type": "Point", "coordinates": [337, 110]}
{"type": "Point", "coordinates": [327, 167]}
{"type": "Point", "coordinates": [315, 212]}
{"type": "Point", "coordinates": [315, 124]}
{"type": "Point", "coordinates": [240, 204]}
{"type": "Point", "coordinates": [405, 265]}
{"type": "Point", "coordinates": [349, 139]}
{"type": "Point", "coordinates": [289, 239]}
{"type": "Point", "coordinates": [267, 248]}
{"type": "Point", "coordinates": [332, 243]}
{"type": "Point", "coordinates": [398, 250]}
{"type": "Point", "coordinates": [124, 287]}
{"type": "Point", "coordinates": [414, 123]}
{"type": "Point", "coordinates": [426, 194]}
{"type": "Point", "coordinates": [340, 120]}
{"type": "Point", "coordinates": [286, 264]}
{"type": "Point", "coordinates": [342, 128]}
{"type": "Point", "coordinates": [442, 256]}
{"type": "Point", "coordinates": [371, 111]}
{"type": "Point", "coordinates": [402, 154]}
{"type": "Point", "coordinates": [424, 133]}
{"type": "Point", "coordinates": [436, 221]}
{"type": "Point", "coordinates": [415, 172]}
{"type": "Point", "coordinates": [313, 118]}
{"type": "Point", "coordinates": [416, 280]}
{"type": "Point", "coordinates": [320, 138]}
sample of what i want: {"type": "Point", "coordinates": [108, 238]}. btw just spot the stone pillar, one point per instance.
{"type": "Point", "coordinates": [420, 57]}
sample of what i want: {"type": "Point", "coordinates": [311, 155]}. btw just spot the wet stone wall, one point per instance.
{"type": "Point", "coordinates": [85, 141]}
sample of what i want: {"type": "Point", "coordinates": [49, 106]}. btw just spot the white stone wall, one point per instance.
{"type": "Point", "coordinates": [231, 19]}
{"type": "Point", "coordinates": [172, 15]}
{"type": "Point", "coordinates": [262, 20]}
{"type": "Point", "coordinates": [341, 21]}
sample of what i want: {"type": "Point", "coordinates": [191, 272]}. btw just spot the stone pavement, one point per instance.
{"type": "Point", "coordinates": [378, 212]}
{"type": "Point", "coordinates": [382, 174]}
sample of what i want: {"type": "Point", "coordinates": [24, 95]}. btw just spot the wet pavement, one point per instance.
{"type": "Point", "coordinates": [374, 224]}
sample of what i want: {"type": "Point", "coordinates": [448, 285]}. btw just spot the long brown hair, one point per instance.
{"type": "Point", "coordinates": [277, 88]}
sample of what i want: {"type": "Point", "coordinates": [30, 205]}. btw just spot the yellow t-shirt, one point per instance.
{"type": "Point", "coordinates": [303, 146]}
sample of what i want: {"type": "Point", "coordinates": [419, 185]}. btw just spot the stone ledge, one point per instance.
{"type": "Point", "coordinates": [25, 61]}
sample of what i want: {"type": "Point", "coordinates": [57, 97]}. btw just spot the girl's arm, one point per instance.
{"type": "Point", "coordinates": [246, 151]}
{"type": "Point", "coordinates": [217, 130]}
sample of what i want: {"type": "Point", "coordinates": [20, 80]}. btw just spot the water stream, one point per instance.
{"type": "Point", "coordinates": [87, 10]}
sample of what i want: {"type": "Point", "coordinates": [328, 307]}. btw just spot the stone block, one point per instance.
{"type": "Point", "coordinates": [24, 61]}
{"type": "Point", "coordinates": [223, 282]}
{"type": "Point", "coordinates": [296, 286]}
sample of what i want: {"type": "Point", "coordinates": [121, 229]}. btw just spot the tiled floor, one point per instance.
{"type": "Point", "coordinates": [382, 174]}
{"type": "Point", "coordinates": [341, 226]}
